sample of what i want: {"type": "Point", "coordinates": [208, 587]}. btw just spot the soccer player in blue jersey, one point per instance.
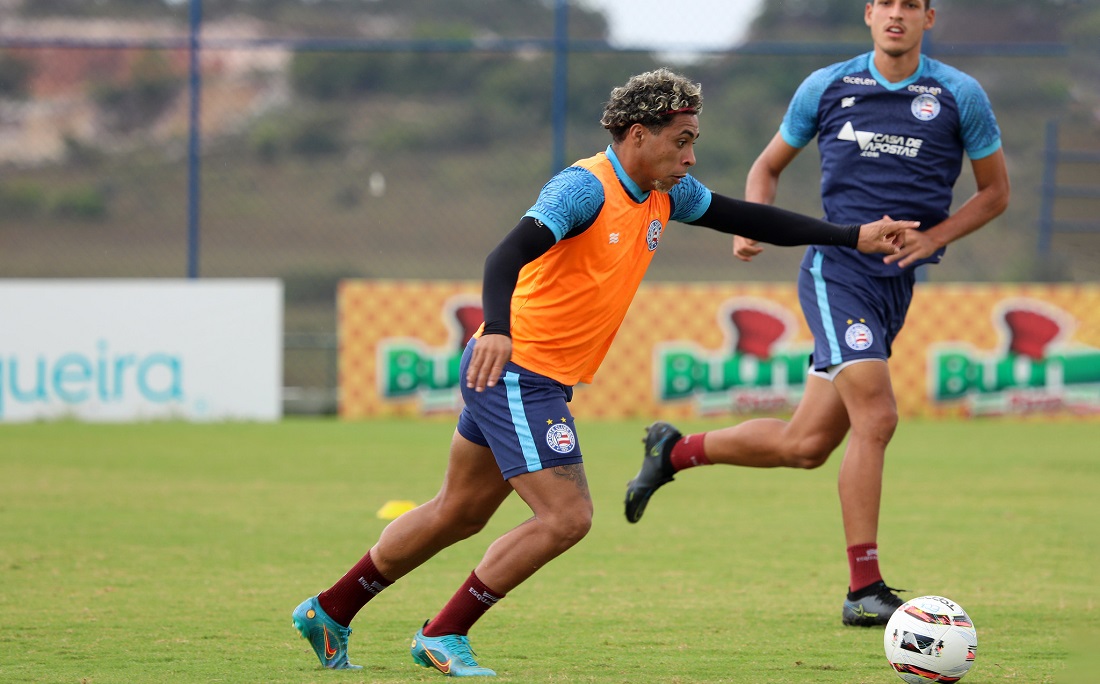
{"type": "Point", "coordinates": [892, 126]}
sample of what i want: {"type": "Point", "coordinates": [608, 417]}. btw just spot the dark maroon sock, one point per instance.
{"type": "Point", "coordinates": [863, 566]}
{"type": "Point", "coordinates": [358, 586]}
{"type": "Point", "coordinates": [467, 605]}
{"type": "Point", "coordinates": [688, 453]}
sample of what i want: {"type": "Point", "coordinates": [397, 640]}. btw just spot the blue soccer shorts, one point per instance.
{"type": "Point", "coordinates": [524, 419]}
{"type": "Point", "coordinates": [852, 315]}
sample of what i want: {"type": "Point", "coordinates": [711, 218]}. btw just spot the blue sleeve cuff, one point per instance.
{"type": "Point", "coordinates": [791, 139]}
{"type": "Point", "coordinates": [557, 230]}
{"type": "Point", "coordinates": [984, 152]}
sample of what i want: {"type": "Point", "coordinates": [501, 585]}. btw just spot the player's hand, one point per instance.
{"type": "Point", "coordinates": [885, 236]}
{"type": "Point", "coordinates": [491, 352]}
{"type": "Point", "coordinates": [918, 245]}
{"type": "Point", "coordinates": [744, 248]}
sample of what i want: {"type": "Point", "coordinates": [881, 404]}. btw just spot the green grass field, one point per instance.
{"type": "Point", "coordinates": [176, 552]}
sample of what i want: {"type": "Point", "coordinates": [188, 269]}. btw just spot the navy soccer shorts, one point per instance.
{"type": "Point", "coordinates": [524, 419]}
{"type": "Point", "coordinates": [852, 315]}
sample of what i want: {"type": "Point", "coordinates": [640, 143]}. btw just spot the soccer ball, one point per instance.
{"type": "Point", "coordinates": [930, 639]}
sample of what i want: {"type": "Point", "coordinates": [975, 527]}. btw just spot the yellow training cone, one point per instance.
{"type": "Point", "coordinates": [394, 508]}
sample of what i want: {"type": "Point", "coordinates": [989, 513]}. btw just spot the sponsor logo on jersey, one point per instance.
{"type": "Point", "coordinates": [653, 235]}
{"type": "Point", "coordinates": [874, 144]}
{"type": "Point", "coordinates": [860, 81]}
{"type": "Point", "coordinates": [925, 107]}
{"type": "Point", "coordinates": [931, 90]}
{"type": "Point", "coordinates": [847, 102]}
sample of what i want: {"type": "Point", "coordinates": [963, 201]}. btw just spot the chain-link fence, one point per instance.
{"type": "Point", "coordinates": [402, 140]}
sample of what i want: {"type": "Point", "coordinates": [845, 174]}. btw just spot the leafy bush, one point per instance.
{"type": "Point", "coordinates": [21, 200]}
{"type": "Point", "coordinates": [83, 204]}
{"type": "Point", "coordinates": [264, 141]}
{"type": "Point", "coordinates": [151, 89]}
{"type": "Point", "coordinates": [316, 136]}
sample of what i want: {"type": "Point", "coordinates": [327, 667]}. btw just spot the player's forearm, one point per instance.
{"type": "Point", "coordinates": [982, 207]}
{"type": "Point", "coordinates": [761, 185]}
{"type": "Point", "coordinates": [773, 225]}
{"type": "Point", "coordinates": [989, 202]}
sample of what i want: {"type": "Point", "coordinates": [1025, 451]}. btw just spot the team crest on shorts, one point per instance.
{"type": "Point", "coordinates": [560, 438]}
{"type": "Point", "coordinates": [858, 336]}
{"type": "Point", "coordinates": [653, 235]}
{"type": "Point", "coordinates": [925, 107]}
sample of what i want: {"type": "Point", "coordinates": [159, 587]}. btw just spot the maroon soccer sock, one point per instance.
{"type": "Point", "coordinates": [688, 453]}
{"type": "Point", "coordinates": [468, 604]}
{"type": "Point", "coordinates": [863, 566]}
{"type": "Point", "coordinates": [358, 586]}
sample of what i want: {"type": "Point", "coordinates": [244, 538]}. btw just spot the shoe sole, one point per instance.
{"type": "Point", "coordinates": [303, 631]}
{"type": "Point", "coordinates": [640, 509]}
{"type": "Point", "coordinates": [429, 665]}
{"type": "Point", "coordinates": [864, 623]}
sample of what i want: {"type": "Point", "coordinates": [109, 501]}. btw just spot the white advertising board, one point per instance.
{"type": "Point", "coordinates": [128, 350]}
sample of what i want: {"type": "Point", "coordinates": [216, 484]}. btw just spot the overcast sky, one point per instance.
{"type": "Point", "coordinates": [660, 23]}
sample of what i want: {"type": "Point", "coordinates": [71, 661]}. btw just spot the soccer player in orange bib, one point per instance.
{"type": "Point", "coordinates": [555, 291]}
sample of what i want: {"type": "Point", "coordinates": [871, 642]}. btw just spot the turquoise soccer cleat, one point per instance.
{"type": "Point", "coordinates": [328, 638]}
{"type": "Point", "coordinates": [450, 654]}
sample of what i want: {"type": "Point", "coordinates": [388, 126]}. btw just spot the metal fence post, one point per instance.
{"type": "Point", "coordinates": [1047, 189]}
{"type": "Point", "coordinates": [193, 176]}
{"type": "Point", "coordinates": [561, 82]}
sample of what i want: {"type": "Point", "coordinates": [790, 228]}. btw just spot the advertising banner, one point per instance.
{"type": "Point", "coordinates": [699, 349]}
{"type": "Point", "coordinates": [122, 350]}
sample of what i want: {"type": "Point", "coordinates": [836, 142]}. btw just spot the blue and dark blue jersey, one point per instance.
{"type": "Point", "coordinates": [573, 198]}
{"type": "Point", "coordinates": [889, 148]}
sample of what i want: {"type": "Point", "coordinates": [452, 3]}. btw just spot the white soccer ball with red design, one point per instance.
{"type": "Point", "coordinates": [930, 639]}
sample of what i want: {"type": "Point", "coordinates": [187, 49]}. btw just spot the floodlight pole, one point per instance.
{"type": "Point", "coordinates": [193, 177]}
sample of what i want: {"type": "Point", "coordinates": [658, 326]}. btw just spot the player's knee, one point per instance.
{"type": "Point", "coordinates": [808, 460]}
{"type": "Point", "coordinates": [812, 451]}
{"type": "Point", "coordinates": [879, 424]}
{"type": "Point", "coordinates": [472, 526]}
{"type": "Point", "coordinates": [463, 522]}
{"type": "Point", "coordinates": [572, 526]}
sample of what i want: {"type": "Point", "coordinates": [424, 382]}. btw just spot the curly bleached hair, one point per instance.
{"type": "Point", "coordinates": [651, 99]}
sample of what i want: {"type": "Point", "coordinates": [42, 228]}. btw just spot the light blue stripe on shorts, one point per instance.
{"type": "Point", "coordinates": [823, 307]}
{"type": "Point", "coordinates": [519, 421]}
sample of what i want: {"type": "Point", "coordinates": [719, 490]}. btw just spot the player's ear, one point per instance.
{"type": "Point", "coordinates": [929, 18]}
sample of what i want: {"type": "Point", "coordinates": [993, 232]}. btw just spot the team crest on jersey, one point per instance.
{"type": "Point", "coordinates": [925, 107]}
{"type": "Point", "coordinates": [858, 336]}
{"type": "Point", "coordinates": [560, 438]}
{"type": "Point", "coordinates": [653, 234]}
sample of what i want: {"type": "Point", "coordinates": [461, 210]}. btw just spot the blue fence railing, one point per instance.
{"type": "Point", "coordinates": [1052, 190]}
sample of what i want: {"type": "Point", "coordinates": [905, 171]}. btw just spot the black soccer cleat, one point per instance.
{"type": "Point", "coordinates": [871, 606]}
{"type": "Point", "coordinates": [656, 468]}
